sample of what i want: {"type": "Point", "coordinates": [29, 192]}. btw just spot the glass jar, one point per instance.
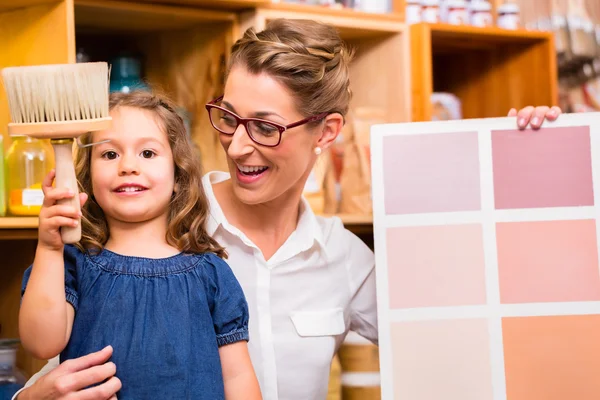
{"type": "Point", "coordinates": [481, 13]}
{"type": "Point", "coordinates": [413, 11]}
{"type": "Point", "coordinates": [28, 161]}
{"type": "Point", "coordinates": [11, 379]}
{"type": "Point", "coordinates": [457, 13]}
{"type": "Point", "coordinates": [430, 11]}
{"type": "Point", "coordinates": [508, 16]}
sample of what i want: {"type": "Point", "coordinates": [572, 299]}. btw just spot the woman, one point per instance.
{"type": "Point", "coordinates": [308, 280]}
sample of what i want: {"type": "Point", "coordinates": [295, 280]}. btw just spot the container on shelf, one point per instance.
{"type": "Point", "coordinates": [11, 379]}
{"type": "Point", "coordinates": [413, 11]}
{"type": "Point", "coordinates": [2, 180]}
{"type": "Point", "coordinates": [28, 161]}
{"type": "Point", "coordinates": [125, 75]}
{"type": "Point", "coordinates": [481, 13]}
{"type": "Point", "coordinates": [456, 12]}
{"type": "Point", "coordinates": [509, 16]}
{"type": "Point", "coordinates": [430, 12]}
{"type": "Point", "coordinates": [359, 359]}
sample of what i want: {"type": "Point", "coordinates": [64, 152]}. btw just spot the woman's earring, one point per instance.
{"type": "Point", "coordinates": [317, 150]}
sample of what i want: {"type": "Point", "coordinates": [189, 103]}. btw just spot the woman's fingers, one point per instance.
{"type": "Point", "coordinates": [105, 391]}
{"type": "Point", "coordinates": [91, 376]}
{"type": "Point", "coordinates": [89, 360]}
{"type": "Point", "coordinates": [553, 113]}
{"type": "Point", "coordinates": [524, 116]}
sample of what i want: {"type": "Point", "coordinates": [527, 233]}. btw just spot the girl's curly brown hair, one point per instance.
{"type": "Point", "coordinates": [189, 206]}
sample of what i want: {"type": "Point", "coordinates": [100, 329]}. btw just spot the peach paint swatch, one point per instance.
{"type": "Point", "coordinates": [548, 261]}
{"type": "Point", "coordinates": [552, 357]}
{"type": "Point", "coordinates": [548, 168]}
{"type": "Point", "coordinates": [431, 173]}
{"type": "Point", "coordinates": [445, 359]}
{"type": "Point", "coordinates": [435, 266]}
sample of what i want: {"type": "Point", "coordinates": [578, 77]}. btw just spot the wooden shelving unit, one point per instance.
{"type": "Point", "coordinates": [489, 69]}
{"type": "Point", "coordinates": [184, 44]}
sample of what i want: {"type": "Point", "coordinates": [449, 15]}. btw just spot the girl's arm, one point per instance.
{"type": "Point", "coordinates": [45, 317]}
{"type": "Point", "coordinates": [238, 373]}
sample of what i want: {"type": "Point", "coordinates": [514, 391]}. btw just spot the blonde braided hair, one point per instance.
{"type": "Point", "coordinates": [308, 57]}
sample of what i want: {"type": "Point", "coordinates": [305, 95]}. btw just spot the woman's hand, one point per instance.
{"type": "Point", "coordinates": [53, 216]}
{"type": "Point", "coordinates": [70, 379]}
{"type": "Point", "coordinates": [534, 115]}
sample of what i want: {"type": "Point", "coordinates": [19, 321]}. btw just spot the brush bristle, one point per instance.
{"type": "Point", "coordinates": [54, 93]}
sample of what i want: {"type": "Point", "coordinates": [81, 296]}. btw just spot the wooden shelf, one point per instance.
{"type": "Point", "coordinates": [215, 4]}
{"type": "Point", "coordinates": [119, 16]}
{"type": "Point", "coordinates": [18, 222]}
{"type": "Point", "coordinates": [6, 5]}
{"type": "Point", "coordinates": [239, 5]}
{"type": "Point", "coordinates": [351, 24]}
{"type": "Point", "coordinates": [489, 69]}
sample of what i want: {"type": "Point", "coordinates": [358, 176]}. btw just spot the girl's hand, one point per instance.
{"type": "Point", "coordinates": [534, 115]}
{"type": "Point", "coordinates": [53, 215]}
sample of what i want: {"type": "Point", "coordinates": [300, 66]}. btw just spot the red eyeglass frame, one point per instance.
{"type": "Point", "coordinates": [245, 121]}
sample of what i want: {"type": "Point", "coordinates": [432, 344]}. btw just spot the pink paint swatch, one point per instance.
{"type": "Point", "coordinates": [444, 359]}
{"type": "Point", "coordinates": [548, 168]}
{"type": "Point", "coordinates": [548, 261]}
{"type": "Point", "coordinates": [436, 266]}
{"type": "Point", "coordinates": [431, 173]}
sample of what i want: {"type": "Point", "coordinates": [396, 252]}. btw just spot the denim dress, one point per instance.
{"type": "Point", "coordinates": [165, 318]}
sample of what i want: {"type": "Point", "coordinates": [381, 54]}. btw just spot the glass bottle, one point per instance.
{"type": "Point", "coordinates": [28, 161]}
{"type": "Point", "coordinates": [11, 379]}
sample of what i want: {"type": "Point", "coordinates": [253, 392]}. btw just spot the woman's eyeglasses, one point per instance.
{"type": "Point", "coordinates": [262, 132]}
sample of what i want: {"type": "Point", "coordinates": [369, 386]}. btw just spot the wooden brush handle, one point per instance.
{"type": "Point", "coordinates": [65, 178]}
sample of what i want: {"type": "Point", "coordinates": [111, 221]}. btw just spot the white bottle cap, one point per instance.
{"type": "Point", "coordinates": [508, 8]}
{"type": "Point", "coordinates": [456, 4]}
{"type": "Point", "coordinates": [480, 6]}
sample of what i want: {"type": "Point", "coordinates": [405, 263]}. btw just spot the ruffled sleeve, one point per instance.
{"type": "Point", "coordinates": [227, 302]}
{"type": "Point", "coordinates": [73, 259]}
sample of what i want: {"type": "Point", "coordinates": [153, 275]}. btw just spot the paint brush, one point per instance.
{"type": "Point", "coordinates": [59, 102]}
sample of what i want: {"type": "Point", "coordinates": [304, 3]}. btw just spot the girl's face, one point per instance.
{"type": "Point", "coordinates": [261, 174]}
{"type": "Point", "coordinates": [133, 175]}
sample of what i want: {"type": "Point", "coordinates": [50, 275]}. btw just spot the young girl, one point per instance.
{"type": "Point", "coordinates": [146, 278]}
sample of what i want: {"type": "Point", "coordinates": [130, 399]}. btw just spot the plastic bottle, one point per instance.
{"type": "Point", "coordinates": [28, 161]}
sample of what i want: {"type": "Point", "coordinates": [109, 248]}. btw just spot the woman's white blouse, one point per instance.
{"type": "Point", "coordinates": [303, 301]}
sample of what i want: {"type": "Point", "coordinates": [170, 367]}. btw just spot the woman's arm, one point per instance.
{"type": "Point", "coordinates": [238, 374]}
{"type": "Point", "coordinates": [45, 317]}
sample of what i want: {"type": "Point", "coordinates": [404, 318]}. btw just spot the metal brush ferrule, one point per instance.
{"type": "Point", "coordinates": [81, 145]}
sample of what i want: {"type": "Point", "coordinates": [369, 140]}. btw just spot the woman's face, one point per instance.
{"type": "Point", "coordinates": [261, 174]}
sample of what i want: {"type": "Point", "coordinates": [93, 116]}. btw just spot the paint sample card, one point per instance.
{"type": "Point", "coordinates": [487, 243]}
